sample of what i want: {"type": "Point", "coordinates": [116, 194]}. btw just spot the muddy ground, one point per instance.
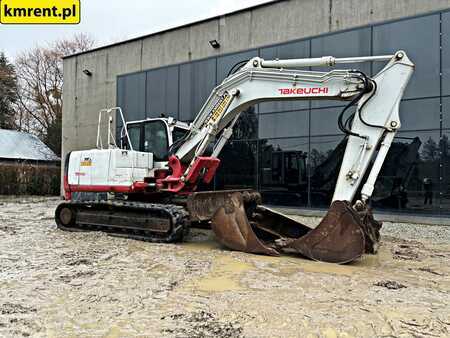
{"type": "Point", "coordinates": [58, 284]}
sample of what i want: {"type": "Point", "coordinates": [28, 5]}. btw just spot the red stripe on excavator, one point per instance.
{"type": "Point", "coordinates": [67, 191]}
{"type": "Point", "coordinates": [136, 187]}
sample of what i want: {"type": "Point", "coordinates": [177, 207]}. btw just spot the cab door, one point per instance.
{"type": "Point", "coordinates": [156, 139]}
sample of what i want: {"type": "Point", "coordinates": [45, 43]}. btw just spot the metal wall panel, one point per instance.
{"type": "Point", "coordinates": [162, 92]}
{"type": "Point", "coordinates": [197, 79]}
{"type": "Point", "coordinates": [131, 96]}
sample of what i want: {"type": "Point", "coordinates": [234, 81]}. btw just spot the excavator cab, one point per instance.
{"type": "Point", "coordinates": [154, 136]}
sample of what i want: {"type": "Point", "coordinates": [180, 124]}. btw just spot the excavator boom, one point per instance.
{"type": "Point", "coordinates": [348, 230]}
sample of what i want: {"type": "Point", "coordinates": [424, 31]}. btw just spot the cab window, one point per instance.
{"type": "Point", "coordinates": [178, 134]}
{"type": "Point", "coordinates": [134, 132]}
{"type": "Point", "coordinates": [156, 140]}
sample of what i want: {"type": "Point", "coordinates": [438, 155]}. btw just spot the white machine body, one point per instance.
{"type": "Point", "coordinates": [106, 167]}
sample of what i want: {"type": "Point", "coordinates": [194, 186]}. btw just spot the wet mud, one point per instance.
{"type": "Point", "coordinates": [59, 284]}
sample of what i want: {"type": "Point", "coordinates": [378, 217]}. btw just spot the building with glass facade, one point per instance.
{"type": "Point", "coordinates": [291, 151]}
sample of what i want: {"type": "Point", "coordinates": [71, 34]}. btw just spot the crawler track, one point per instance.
{"type": "Point", "coordinates": [142, 221]}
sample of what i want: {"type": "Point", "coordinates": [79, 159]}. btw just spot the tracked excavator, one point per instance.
{"type": "Point", "coordinates": [147, 180]}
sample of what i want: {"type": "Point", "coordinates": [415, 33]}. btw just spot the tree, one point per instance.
{"type": "Point", "coordinates": [8, 93]}
{"type": "Point", "coordinates": [430, 150]}
{"type": "Point", "coordinates": [40, 84]}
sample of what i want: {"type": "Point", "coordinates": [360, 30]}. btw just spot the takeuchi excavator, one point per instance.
{"type": "Point", "coordinates": [143, 186]}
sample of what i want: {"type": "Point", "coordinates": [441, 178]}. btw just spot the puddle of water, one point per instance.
{"type": "Point", "coordinates": [293, 264]}
{"type": "Point", "coordinates": [203, 245]}
{"type": "Point", "coordinates": [224, 275]}
{"type": "Point", "coordinates": [289, 265]}
{"type": "Point", "coordinates": [383, 257]}
{"type": "Point", "coordinates": [114, 332]}
{"type": "Point", "coordinates": [329, 333]}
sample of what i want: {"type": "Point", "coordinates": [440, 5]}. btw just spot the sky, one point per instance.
{"type": "Point", "coordinates": [110, 21]}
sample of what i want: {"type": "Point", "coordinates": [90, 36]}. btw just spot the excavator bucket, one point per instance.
{"type": "Point", "coordinates": [339, 237]}
{"type": "Point", "coordinates": [342, 236]}
{"type": "Point", "coordinates": [232, 228]}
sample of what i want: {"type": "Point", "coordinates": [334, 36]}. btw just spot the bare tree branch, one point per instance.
{"type": "Point", "coordinates": [40, 83]}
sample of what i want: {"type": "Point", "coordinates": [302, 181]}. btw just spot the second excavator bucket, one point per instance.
{"type": "Point", "coordinates": [342, 236]}
{"type": "Point", "coordinates": [232, 228]}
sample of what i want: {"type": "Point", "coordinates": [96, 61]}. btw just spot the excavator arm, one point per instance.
{"type": "Point", "coordinates": [348, 230]}
{"type": "Point", "coordinates": [370, 129]}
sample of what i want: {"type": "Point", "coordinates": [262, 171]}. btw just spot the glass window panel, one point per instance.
{"type": "Point", "coordinates": [118, 136]}
{"type": "Point", "coordinates": [325, 159]}
{"type": "Point", "coordinates": [346, 44]}
{"type": "Point", "coordinates": [288, 124]}
{"type": "Point", "coordinates": [178, 134]}
{"type": "Point", "coordinates": [445, 172]}
{"type": "Point", "coordinates": [246, 126]}
{"type": "Point", "coordinates": [446, 112]}
{"type": "Point", "coordinates": [197, 80]}
{"type": "Point", "coordinates": [119, 125]}
{"type": "Point", "coordinates": [155, 139]}
{"type": "Point", "coordinates": [238, 166]}
{"type": "Point", "coordinates": [419, 37]}
{"type": "Point", "coordinates": [409, 179]}
{"type": "Point", "coordinates": [446, 53]}
{"type": "Point", "coordinates": [162, 92]}
{"type": "Point", "coordinates": [294, 50]}
{"type": "Point", "coordinates": [283, 171]}
{"type": "Point", "coordinates": [420, 114]}
{"type": "Point", "coordinates": [325, 121]}
{"type": "Point", "coordinates": [135, 137]}
{"type": "Point", "coordinates": [414, 114]}
{"type": "Point", "coordinates": [131, 96]}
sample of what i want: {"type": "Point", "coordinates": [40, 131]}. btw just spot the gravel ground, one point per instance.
{"type": "Point", "coordinates": [58, 284]}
